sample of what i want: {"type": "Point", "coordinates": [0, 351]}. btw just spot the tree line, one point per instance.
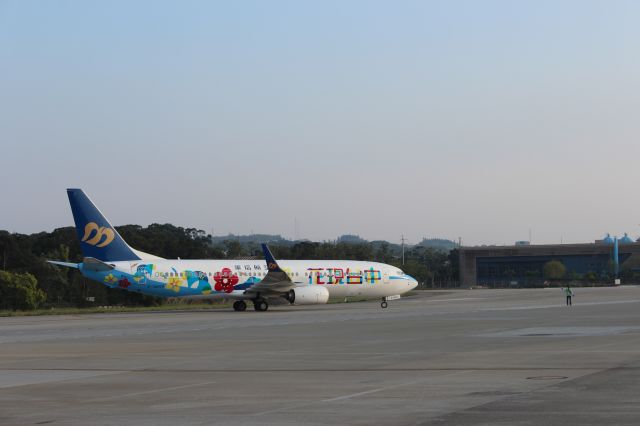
{"type": "Point", "coordinates": [27, 281]}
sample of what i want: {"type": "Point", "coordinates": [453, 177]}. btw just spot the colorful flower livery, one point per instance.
{"type": "Point", "coordinates": [226, 280]}
{"type": "Point", "coordinates": [109, 260]}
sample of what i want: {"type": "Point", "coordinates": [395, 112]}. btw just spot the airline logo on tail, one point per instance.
{"type": "Point", "coordinates": [102, 238]}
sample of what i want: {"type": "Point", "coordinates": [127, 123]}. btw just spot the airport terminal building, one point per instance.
{"type": "Point", "coordinates": [522, 265]}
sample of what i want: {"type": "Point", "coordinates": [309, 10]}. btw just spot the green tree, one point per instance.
{"type": "Point", "coordinates": [20, 292]}
{"type": "Point", "coordinates": [233, 248]}
{"type": "Point", "coordinates": [554, 270]}
{"type": "Point", "coordinates": [382, 254]}
{"type": "Point", "coordinates": [591, 277]}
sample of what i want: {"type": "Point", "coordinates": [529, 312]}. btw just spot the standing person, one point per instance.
{"type": "Point", "coordinates": [569, 294]}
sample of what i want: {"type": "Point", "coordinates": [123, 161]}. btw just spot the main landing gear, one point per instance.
{"type": "Point", "coordinates": [383, 304]}
{"type": "Point", "coordinates": [260, 305]}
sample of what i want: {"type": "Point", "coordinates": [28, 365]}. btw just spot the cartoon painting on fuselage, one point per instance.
{"type": "Point", "coordinates": [109, 260]}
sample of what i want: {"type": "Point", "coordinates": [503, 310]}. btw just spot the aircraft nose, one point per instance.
{"type": "Point", "coordinates": [412, 282]}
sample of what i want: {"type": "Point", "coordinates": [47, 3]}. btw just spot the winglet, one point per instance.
{"type": "Point", "coordinates": [272, 265]}
{"type": "Point", "coordinates": [275, 282]}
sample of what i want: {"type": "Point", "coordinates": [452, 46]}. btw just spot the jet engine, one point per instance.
{"type": "Point", "coordinates": [308, 295]}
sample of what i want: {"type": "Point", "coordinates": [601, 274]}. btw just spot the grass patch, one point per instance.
{"type": "Point", "coordinates": [164, 307]}
{"type": "Point", "coordinates": [108, 309]}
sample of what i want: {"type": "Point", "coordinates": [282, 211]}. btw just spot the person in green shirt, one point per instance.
{"type": "Point", "coordinates": [569, 294]}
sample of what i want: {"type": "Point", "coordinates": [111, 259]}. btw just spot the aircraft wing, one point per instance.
{"type": "Point", "coordinates": [276, 281]}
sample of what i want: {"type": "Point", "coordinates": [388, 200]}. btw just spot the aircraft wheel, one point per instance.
{"type": "Point", "coordinates": [239, 306]}
{"type": "Point", "coordinates": [383, 305]}
{"type": "Point", "coordinates": [260, 305]}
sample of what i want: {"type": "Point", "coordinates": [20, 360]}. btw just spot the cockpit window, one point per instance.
{"type": "Point", "coordinates": [399, 272]}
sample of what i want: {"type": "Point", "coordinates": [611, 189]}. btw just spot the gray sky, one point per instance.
{"type": "Point", "coordinates": [471, 119]}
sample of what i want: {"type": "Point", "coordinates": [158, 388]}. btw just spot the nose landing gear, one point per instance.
{"type": "Point", "coordinates": [384, 304]}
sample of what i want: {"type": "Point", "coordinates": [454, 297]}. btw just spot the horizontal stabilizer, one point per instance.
{"type": "Point", "coordinates": [65, 264]}
{"type": "Point", "coordinates": [93, 264]}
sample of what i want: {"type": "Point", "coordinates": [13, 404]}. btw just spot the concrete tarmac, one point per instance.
{"type": "Point", "coordinates": [468, 357]}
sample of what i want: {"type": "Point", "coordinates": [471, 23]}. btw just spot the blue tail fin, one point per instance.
{"type": "Point", "coordinates": [97, 237]}
{"type": "Point", "coordinates": [272, 264]}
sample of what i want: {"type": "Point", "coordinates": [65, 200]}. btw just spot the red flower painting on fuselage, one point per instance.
{"type": "Point", "coordinates": [225, 280]}
{"type": "Point", "coordinates": [124, 283]}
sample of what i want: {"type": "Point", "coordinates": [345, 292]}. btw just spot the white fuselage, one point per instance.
{"type": "Point", "coordinates": [230, 278]}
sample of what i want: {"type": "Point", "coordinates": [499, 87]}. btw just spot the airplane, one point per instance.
{"type": "Point", "coordinates": [109, 260]}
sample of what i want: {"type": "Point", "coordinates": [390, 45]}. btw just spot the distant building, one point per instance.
{"type": "Point", "coordinates": [626, 239]}
{"type": "Point", "coordinates": [522, 265]}
{"type": "Point", "coordinates": [606, 240]}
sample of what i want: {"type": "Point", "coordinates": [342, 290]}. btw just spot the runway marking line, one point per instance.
{"type": "Point", "coordinates": [128, 395]}
{"type": "Point", "coordinates": [354, 395]}
{"type": "Point", "coordinates": [517, 308]}
{"type": "Point", "coordinates": [324, 370]}
{"type": "Point", "coordinates": [349, 396]}
{"type": "Point", "coordinates": [458, 299]}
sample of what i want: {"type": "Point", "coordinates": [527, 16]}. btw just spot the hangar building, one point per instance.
{"type": "Point", "coordinates": [521, 265]}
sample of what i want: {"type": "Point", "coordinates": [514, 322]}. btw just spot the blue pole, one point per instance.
{"type": "Point", "coordinates": [616, 261]}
